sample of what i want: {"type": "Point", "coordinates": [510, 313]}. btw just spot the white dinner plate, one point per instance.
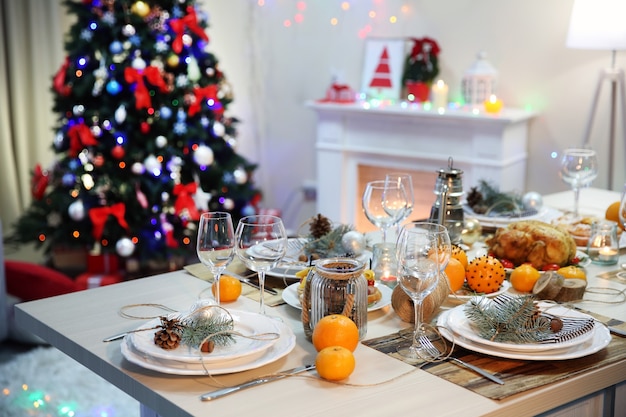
{"type": "Point", "coordinates": [464, 296]}
{"type": "Point", "coordinates": [285, 344]}
{"type": "Point", "coordinates": [601, 338]}
{"type": "Point", "coordinates": [290, 296]}
{"type": "Point", "coordinates": [545, 214]}
{"type": "Point", "coordinates": [246, 323]}
{"type": "Point", "coordinates": [461, 325]}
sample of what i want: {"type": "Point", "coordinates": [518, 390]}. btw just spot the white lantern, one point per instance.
{"type": "Point", "coordinates": [479, 81]}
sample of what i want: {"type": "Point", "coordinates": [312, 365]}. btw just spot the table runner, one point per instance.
{"type": "Point", "coordinates": [518, 375]}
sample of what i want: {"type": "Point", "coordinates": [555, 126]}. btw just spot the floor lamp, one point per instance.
{"type": "Point", "coordinates": [600, 24]}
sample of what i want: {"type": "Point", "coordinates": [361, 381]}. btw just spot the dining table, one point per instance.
{"type": "Point", "coordinates": [381, 384]}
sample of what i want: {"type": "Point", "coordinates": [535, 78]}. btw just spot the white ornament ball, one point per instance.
{"type": "Point", "coordinates": [353, 242]}
{"type": "Point", "coordinates": [203, 155]}
{"type": "Point", "coordinates": [240, 176]}
{"type": "Point", "coordinates": [124, 247]}
{"type": "Point", "coordinates": [138, 168]}
{"type": "Point", "coordinates": [218, 129]}
{"type": "Point", "coordinates": [128, 30]}
{"type": "Point", "coordinates": [161, 141]}
{"type": "Point", "coordinates": [76, 210]}
{"type": "Point", "coordinates": [532, 200]}
{"type": "Point", "coordinates": [139, 64]}
{"type": "Point", "coordinates": [229, 204]}
{"type": "Point", "coordinates": [152, 164]}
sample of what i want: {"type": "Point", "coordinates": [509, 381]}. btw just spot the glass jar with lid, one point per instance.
{"type": "Point", "coordinates": [335, 286]}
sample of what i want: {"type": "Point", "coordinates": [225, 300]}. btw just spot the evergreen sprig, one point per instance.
{"type": "Point", "coordinates": [329, 244]}
{"type": "Point", "coordinates": [197, 328]}
{"type": "Point", "coordinates": [508, 319]}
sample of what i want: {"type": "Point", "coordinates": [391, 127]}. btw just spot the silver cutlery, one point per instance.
{"type": "Point", "coordinates": [258, 381]}
{"type": "Point", "coordinates": [115, 337]}
{"type": "Point", "coordinates": [433, 351]}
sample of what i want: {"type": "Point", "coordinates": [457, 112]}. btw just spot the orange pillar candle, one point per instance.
{"type": "Point", "coordinates": [493, 105]}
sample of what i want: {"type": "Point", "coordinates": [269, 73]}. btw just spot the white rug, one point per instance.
{"type": "Point", "coordinates": [45, 382]}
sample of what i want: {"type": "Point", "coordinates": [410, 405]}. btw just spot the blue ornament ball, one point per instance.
{"type": "Point", "coordinates": [116, 47]}
{"type": "Point", "coordinates": [113, 87]}
{"type": "Point", "coordinates": [248, 210]}
{"type": "Point", "coordinates": [166, 112]}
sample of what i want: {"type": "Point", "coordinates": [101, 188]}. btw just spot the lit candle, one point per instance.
{"type": "Point", "coordinates": [607, 254]}
{"type": "Point", "coordinates": [493, 105]}
{"type": "Point", "coordinates": [440, 94]}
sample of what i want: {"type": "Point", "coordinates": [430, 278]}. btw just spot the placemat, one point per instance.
{"type": "Point", "coordinates": [518, 375]}
{"type": "Point", "coordinates": [200, 271]}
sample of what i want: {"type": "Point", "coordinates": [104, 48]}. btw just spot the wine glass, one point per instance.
{"type": "Point", "coordinates": [216, 244]}
{"type": "Point", "coordinates": [383, 204]}
{"type": "Point", "coordinates": [406, 181]}
{"type": "Point", "coordinates": [579, 167]}
{"type": "Point", "coordinates": [261, 242]}
{"type": "Point", "coordinates": [423, 251]}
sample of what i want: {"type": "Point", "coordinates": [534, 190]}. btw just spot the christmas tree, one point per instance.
{"type": "Point", "coordinates": [143, 144]}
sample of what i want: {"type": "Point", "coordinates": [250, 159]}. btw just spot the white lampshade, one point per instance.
{"type": "Point", "coordinates": [597, 24]}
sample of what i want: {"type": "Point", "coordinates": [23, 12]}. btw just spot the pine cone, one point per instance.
{"type": "Point", "coordinates": [476, 201]}
{"type": "Point", "coordinates": [169, 335]}
{"type": "Point", "coordinates": [320, 226]}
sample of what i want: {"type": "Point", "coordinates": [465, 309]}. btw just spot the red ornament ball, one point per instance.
{"type": "Point", "coordinates": [118, 152]}
{"type": "Point", "coordinates": [98, 160]}
{"type": "Point", "coordinates": [144, 127]}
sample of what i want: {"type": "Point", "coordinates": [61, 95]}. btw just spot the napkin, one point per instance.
{"type": "Point", "coordinates": [200, 271]}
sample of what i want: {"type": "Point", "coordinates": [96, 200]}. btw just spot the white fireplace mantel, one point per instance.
{"type": "Point", "coordinates": [408, 137]}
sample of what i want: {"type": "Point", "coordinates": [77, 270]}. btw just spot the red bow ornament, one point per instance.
{"type": "Point", "coordinates": [205, 93]}
{"type": "Point", "coordinates": [58, 83]}
{"type": "Point", "coordinates": [189, 21]}
{"type": "Point", "coordinates": [184, 200]}
{"type": "Point", "coordinates": [142, 95]}
{"type": "Point", "coordinates": [80, 137]}
{"type": "Point", "coordinates": [39, 183]}
{"type": "Point", "coordinates": [100, 215]}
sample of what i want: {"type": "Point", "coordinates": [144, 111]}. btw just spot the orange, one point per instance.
{"type": "Point", "coordinates": [335, 330]}
{"type": "Point", "coordinates": [523, 278]}
{"type": "Point", "coordinates": [230, 288]}
{"type": "Point", "coordinates": [572, 271]}
{"type": "Point", "coordinates": [612, 213]}
{"type": "Point", "coordinates": [460, 255]}
{"type": "Point", "coordinates": [335, 363]}
{"type": "Point", "coordinates": [455, 271]}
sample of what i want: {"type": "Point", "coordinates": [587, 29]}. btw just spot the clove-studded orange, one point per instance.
{"type": "Point", "coordinates": [485, 274]}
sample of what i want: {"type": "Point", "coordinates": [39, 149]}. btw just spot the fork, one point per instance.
{"type": "Point", "coordinates": [435, 353]}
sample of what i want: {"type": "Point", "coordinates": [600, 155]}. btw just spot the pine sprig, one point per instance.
{"type": "Point", "coordinates": [508, 319]}
{"type": "Point", "coordinates": [329, 244]}
{"type": "Point", "coordinates": [197, 328]}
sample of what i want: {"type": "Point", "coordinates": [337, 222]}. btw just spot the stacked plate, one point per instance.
{"type": "Point", "coordinates": [455, 326]}
{"type": "Point", "coordinates": [245, 354]}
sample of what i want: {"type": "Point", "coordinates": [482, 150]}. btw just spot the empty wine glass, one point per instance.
{"type": "Point", "coordinates": [261, 242]}
{"type": "Point", "coordinates": [579, 167]}
{"type": "Point", "coordinates": [406, 181]}
{"type": "Point", "coordinates": [216, 244]}
{"type": "Point", "coordinates": [383, 203]}
{"type": "Point", "coordinates": [423, 251]}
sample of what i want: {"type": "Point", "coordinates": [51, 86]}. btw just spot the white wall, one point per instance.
{"type": "Point", "coordinates": [275, 69]}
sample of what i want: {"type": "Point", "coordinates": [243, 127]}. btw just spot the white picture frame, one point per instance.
{"type": "Point", "coordinates": [383, 65]}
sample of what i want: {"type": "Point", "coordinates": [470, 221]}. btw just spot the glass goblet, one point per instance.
{"type": "Point", "coordinates": [406, 181]}
{"type": "Point", "coordinates": [261, 242]}
{"type": "Point", "coordinates": [579, 167]}
{"type": "Point", "coordinates": [383, 204]}
{"type": "Point", "coordinates": [216, 244]}
{"type": "Point", "coordinates": [423, 251]}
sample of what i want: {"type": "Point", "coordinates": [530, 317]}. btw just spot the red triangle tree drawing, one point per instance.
{"type": "Point", "coordinates": [382, 73]}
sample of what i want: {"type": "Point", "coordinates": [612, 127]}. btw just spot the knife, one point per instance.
{"type": "Point", "coordinates": [225, 391]}
{"type": "Point", "coordinates": [271, 291]}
